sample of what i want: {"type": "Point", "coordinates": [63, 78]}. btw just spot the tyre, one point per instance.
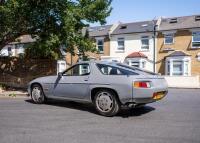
{"type": "Point", "coordinates": [37, 94]}
{"type": "Point", "coordinates": [106, 103]}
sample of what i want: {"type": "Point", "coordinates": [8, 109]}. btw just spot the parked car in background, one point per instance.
{"type": "Point", "coordinates": [106, 85]}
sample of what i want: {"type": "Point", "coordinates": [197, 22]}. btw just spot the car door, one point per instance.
{"type": "Point", "coordinates": [74, 82]}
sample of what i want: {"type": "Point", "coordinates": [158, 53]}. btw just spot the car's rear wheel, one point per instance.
{"type": "Point", "coordinates": [106, 103]}
{"type": "Point", "coordinates": [37, 94]}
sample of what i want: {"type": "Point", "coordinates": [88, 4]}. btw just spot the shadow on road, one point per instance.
{"type": "Point", "coordinates": [134, 112]}
{"type": "Point", "coordinates": [125, 113]}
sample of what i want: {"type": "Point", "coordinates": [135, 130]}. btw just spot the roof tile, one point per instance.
{"type": "Point", "coordinates": [184, 22]}
{"type": "Point", "coordinates": [135, 27]}
{"type": "Point", "coordinates": [136, 55]}
{"type": "Point", "coordinates": [177, 54]}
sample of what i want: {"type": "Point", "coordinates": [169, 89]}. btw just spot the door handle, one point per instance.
{"type": "Point", "coordinates": [86, 79]}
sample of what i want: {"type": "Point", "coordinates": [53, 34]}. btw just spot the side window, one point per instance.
{"type": "Point", "coordinates": [78, 70]}
{"type": "Point", "coordinates": [110, 70]}
{"type": "Point", "coordinates": [84, 69]}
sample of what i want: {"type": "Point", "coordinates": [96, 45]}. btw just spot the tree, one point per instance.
{"type": "Point", "coordinates": [51, 22]}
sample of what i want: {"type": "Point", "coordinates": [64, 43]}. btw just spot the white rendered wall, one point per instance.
{"type": "Point", "coordinates": [183, 81]}
{"type": "Point", "coordinates": [4, 51]}
{"type": "Point", "coordinates": [132, 43]}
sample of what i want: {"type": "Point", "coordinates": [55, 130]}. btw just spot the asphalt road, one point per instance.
{"type": "Point", "coordinates": [175, 119]}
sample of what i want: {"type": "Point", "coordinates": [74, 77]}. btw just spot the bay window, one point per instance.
{"type": "Point", "coordinates": [178, 66]}
{"type": "Point", "coordinates": [136, 62]}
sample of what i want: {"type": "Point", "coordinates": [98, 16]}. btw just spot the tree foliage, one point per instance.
{"type": "Point", "coordinates": [51, 22]}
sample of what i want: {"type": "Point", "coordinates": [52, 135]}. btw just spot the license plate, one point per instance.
{"type": "Point", "coordinates": [158, 96]}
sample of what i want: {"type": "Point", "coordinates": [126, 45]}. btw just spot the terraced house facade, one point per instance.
{"type": "Point", "coordinates": [178, 46]}
{"type": "Point", "coordinates": [132, 43]}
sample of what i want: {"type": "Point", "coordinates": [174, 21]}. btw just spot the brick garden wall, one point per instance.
{"type": "Point", "coordinates": [18, 72]}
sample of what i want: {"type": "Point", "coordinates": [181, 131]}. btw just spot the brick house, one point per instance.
{"type": "Point", "coordinates": [178, 46]}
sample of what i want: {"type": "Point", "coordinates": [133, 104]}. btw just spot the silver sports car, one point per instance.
{"type": "Point", "coordinates": [109, 86]}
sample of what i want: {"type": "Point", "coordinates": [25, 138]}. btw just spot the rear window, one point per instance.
{"type": "Point", "coordinates": [111, 70]}
{"type": "Point", "coordinates": [136, 69]}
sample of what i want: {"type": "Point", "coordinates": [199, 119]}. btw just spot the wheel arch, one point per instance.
{"type": "Point", "coordinates": [96, 89]}
{"type": "Point", "coordinates": [36, 83]}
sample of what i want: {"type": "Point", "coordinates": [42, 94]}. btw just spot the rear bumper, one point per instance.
{"type": "Point", "coordinates": [148, 99]}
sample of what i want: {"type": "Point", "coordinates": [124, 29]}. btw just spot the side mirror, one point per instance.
{"type": "Point", "coordinates": [60, 74]}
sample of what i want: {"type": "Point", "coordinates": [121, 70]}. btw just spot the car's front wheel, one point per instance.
{"type": "Point", "coordinates": [106, 103]}
{"type": "Point", "coordinates": [37, 94]}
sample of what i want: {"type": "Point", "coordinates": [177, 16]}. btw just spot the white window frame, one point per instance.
{"type": "Point", "coordinates": [180, 65]}
{"type": "Point", "coordinates": [141, 62]}
{"type": "Point", "coordinates": [97, 43]}
{"type": "Point", "coordinates": [169, 63]}
{"type": "Point", "coordinates": [120, 48]}
{"type": "Point", "coordinates": [193, 33]}
{"type": "Point", "coordinates": [143, 47]}
{"type": "Point", "coordinates": [134, 64]}
{"type": "Point", "coordinates": [169, 35]}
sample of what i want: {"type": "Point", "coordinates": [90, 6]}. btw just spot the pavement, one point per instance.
{"type": "Point", "coordinates": [13, 93]}
{"type": "Point", "coordinates": [175, 119]}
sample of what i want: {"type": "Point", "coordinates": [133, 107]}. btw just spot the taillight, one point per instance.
{"type": "Point", "coordinates": [142, 84]}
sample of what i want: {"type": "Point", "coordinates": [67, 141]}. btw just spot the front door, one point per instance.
{"type": "Point", "coordinates": [74, 82]}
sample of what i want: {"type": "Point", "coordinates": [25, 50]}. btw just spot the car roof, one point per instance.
{"type": "Point", "coordinates": [109, 63]}
{"type": "Point", "coordinates": [116, 64]}
{"type": "Point", "coordinates": [98, 62]}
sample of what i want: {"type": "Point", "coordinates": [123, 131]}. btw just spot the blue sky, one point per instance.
{"type": "Point", "coordinates": [139, 10]}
